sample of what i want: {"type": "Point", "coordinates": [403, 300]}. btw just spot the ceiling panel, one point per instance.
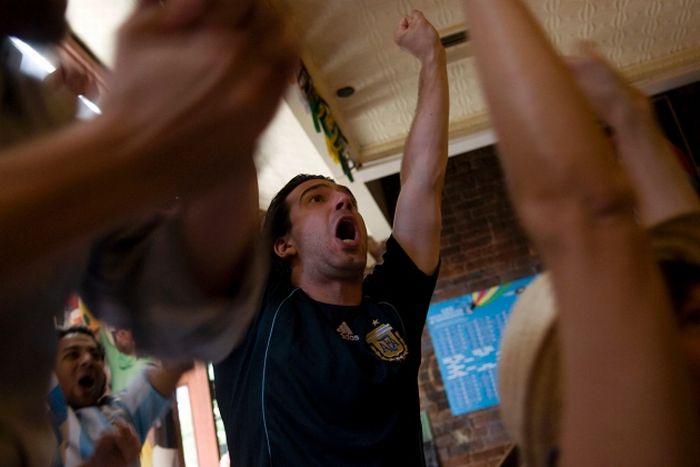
{"type": "Point", "coordinates": [349, 43]}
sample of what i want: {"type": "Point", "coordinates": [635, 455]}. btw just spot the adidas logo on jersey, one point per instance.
{"type": "Point", "coordinates": [346, 333]}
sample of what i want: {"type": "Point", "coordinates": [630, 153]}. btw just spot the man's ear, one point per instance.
{"type": "Point", "coordinates": [284, 248]}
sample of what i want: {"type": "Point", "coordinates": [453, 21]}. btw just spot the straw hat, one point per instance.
{"type": "Point", "coordinates": [529, 383]}
{"type": "Point", "coordinates": [529, 373]}
{"type": "Point", "coordinates": [677, 239]}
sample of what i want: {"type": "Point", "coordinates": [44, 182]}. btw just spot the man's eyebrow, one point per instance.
{"type": "Point", "coordinates": [311, 188]}
{"type": "Point", "coordinates": [78, 347]}
{"type": "Point", "coordinates": [327, 185]}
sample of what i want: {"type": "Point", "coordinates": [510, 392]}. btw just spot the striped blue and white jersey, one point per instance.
{"type": "Point", "coordinates": [77, 431]}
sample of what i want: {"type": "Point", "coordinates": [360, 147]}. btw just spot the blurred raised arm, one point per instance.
{"type": "Point", "coordinates": [162, 135]}
{"type": "Point", "coordinates": [625, 392]}
{"type": "Point", "coordinates": [662, 187]}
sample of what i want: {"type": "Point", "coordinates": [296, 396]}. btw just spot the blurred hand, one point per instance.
{"type": "Point", "coordinates": [198, 96]}
{"type": "Point", "coordinates": [613, 99]}
{"type": "Point", "coordinates": [417, 36]}
{"type": "Point", "coordinates": [119, 447]}
{"type": "Point", "coordinates": [72, 77]}
{"type": "Point", "coordinates": [187, 13]}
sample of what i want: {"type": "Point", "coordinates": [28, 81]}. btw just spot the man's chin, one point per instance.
{"type": "Point", "coordinates": [356, 267]}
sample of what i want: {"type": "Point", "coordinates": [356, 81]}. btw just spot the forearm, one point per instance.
{"type": "Point", "coordinates": [69, 185]}
{"type": "Point", "coordinates": [219, 228]}
{"type": "Point", "coordinates": [546, 130]}
{"type": "Point", "coordinates": [662, 187]}
{"type": "Point", "coordinates": [418, 220]}
{"type": "Point", "coordinates": [164, 379]}
{"type": "Point", "coordinates": [425, 151]}
{"type": "Point", "coordinates": [632, 406]}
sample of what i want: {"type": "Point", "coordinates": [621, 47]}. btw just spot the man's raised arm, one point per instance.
{"type": "Point", "coordinates": [418, 218]}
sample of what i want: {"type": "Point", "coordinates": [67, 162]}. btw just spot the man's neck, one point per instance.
{"type": "Point", "coordinates": [335, 292]}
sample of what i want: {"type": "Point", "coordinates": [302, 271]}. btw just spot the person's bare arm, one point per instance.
{"type": "Point", "coordinates": [221, 223]}
{"type": "Point", "coordinates": [65, 187]}
{"type": "Point", "coordinates": [161, 135]}
{"type": "Point", "coordinates": [663, 189]}
{"type": "Point", "coordinates": [219, 226]}
{"type": "Point", "coordinates": [164, 378]}
{"type": "Point", "coordinates": [418, 219]}
{"type": "Point", "coordinates": [625, 393]}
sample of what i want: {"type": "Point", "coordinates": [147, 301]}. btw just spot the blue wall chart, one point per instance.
{"type": "Point", "coordinates": [466, 333]}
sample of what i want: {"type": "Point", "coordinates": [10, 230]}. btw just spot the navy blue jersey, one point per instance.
{"type": "Point", "coordinates": [319, 384]}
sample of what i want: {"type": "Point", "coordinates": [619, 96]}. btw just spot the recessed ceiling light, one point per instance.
{"type": "Point", "coordinates": [346, 91]}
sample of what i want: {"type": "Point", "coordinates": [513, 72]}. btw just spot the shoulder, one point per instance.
{"type": "Point", "coordinates": [278, 290]}
{"type": "Point", "coordinates": [397, 266]}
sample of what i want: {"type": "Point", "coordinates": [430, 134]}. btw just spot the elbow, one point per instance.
{"type": "Point", "coordinates": [427, 181]}
{"type": "Point", "coordinates": [555, 214]}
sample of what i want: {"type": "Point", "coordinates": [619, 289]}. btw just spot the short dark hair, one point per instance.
{"type": "Point", "coordinates": [277, 223]}
{"type": "Point", "coordinates": [80, 329]}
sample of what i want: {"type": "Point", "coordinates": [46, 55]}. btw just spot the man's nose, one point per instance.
{"type": "Point", "coordinates": [86, 359]}
{"type": "Point", "coordinates": [343, 201]}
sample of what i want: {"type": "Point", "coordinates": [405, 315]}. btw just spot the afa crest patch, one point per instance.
{"type": "Point", "coordinates": [387, 343]}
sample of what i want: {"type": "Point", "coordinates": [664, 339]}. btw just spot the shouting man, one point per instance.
{"type": "Point", "coordinates": [83, 413]}
{"type": "Point", "coordinates": [327, 374]}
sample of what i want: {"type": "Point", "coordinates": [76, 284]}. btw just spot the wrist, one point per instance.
{"type": "Point", "coordinates": [434, 57]}
{"type": "Point", "coordinates": [633, 110]}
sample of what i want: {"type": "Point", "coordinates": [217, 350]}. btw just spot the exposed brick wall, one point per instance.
{"type": "Point", "coordinates": [482, 246]}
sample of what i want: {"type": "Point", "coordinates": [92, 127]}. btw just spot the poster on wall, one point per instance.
{"type": "Point", "coordinates": [466, 333]}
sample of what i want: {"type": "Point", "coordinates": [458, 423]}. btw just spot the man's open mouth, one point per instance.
{"type": "Point", "coordinates": [87, 382]}
{"type": "Point", "coordinates": [346, 231]}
